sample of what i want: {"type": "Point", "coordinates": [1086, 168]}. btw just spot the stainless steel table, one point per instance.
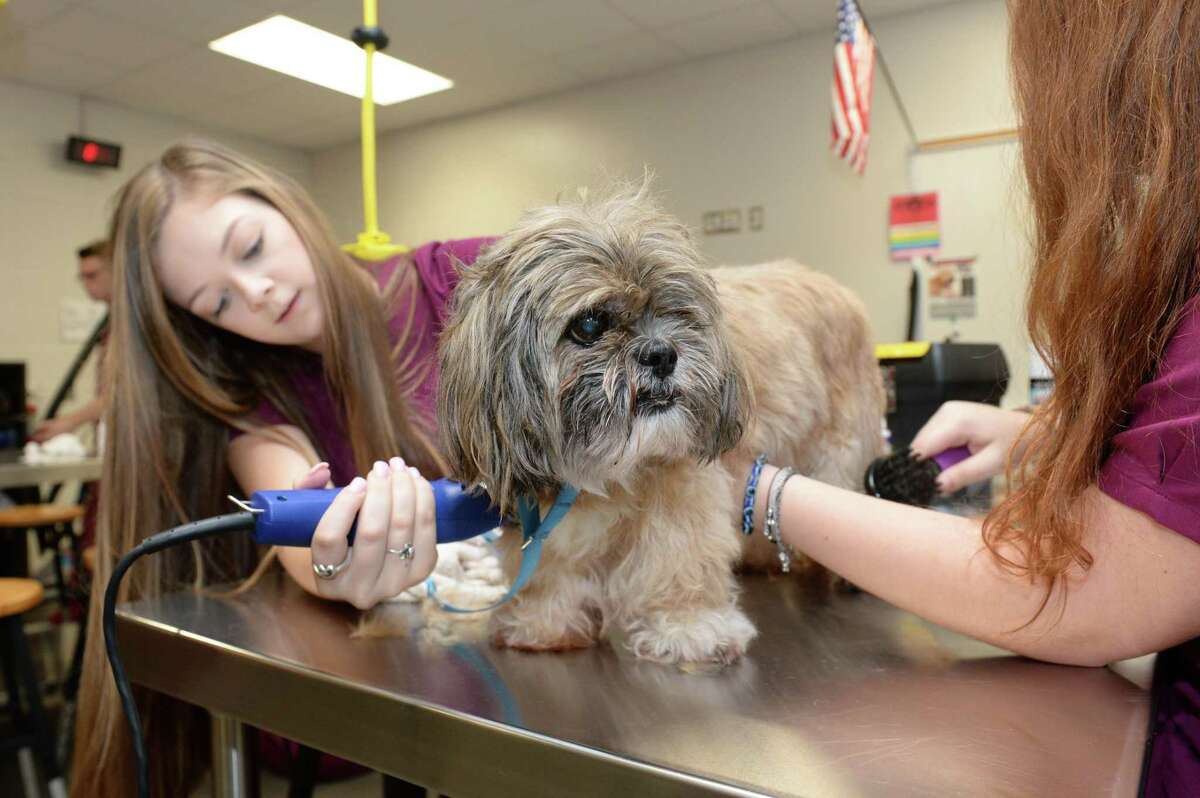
{"type": "Point", "coordinates": [19, 474]}
{"type": "Point", "coordinates": [847, 696]}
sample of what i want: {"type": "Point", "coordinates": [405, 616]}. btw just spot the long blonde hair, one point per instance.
{"type": "Point", "coordinates": [178, 385]}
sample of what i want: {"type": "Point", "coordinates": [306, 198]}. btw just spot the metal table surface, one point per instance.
{"type": "Point", "coordinates": [846, 696]}
{"type": "Point", "coordinates": [15, 473]}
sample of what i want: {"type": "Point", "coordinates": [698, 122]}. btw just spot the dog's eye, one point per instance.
{"type": "Point", "coordinates": [587, 328]}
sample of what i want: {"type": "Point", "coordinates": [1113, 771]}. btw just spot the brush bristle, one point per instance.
{"type": "Point", "coordinates": [900, 477]}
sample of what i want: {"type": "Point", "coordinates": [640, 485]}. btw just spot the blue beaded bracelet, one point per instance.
{"type": "Point", "coordinates": [751, 488]}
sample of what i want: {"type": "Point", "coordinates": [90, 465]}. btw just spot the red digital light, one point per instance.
{"type": "Point", "coordinates": [93, 152]}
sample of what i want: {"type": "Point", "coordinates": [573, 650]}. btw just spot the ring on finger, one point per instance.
{"type": "Point", "coordinates": [330, 571]}
{"type": "Point", "coordinates": [405, 552]}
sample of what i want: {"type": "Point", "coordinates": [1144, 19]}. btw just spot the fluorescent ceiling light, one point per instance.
{"type": "Point", "coordinates": [289, 46]}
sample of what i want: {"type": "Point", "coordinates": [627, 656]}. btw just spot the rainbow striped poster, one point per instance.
{"type": "Point", "coordinates": [913, 230]}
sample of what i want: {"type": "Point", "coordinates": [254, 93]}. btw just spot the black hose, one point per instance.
{"type": "Point", "coordinates": [209, 527]}
{"type": "Point", "coordinates": [69, 381]}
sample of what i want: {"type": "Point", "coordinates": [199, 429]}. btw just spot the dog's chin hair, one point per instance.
{"type": "Point", "coordinates": [666, 436]}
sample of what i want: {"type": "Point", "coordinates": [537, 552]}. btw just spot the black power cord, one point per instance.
{"type": "Point", "coordinates": [209, 527]}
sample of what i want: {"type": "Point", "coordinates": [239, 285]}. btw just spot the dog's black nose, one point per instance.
{"type": "Point", "coordinates": [660, 357]}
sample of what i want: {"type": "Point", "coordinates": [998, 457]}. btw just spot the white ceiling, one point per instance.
{"type": "Point", "coordinates": [152, 55]}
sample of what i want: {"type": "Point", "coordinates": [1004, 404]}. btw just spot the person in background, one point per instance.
{"type": "Point", "coordinates": [1094, 555]}
{"type": "Point", "coordinates": [95, 275]}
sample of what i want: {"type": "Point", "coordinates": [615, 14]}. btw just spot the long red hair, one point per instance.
{"type": "Point", "coordinates": [1108, 95]}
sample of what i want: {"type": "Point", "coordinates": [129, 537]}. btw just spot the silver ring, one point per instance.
{"type": "Point", "coordinates": [330, 571]}
{"type": "Point", "coordinates": [405, 552]}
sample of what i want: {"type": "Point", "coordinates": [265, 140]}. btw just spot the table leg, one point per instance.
{"type": "Point", "coordinates": [231, 760]}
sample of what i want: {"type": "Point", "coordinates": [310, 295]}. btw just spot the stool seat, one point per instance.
{"type": "Point", "coordinates": [25, 516]}
{"type": "Point", "coordinates": [89, 558]}
{"type": "Point", "coordinates": [19, 595]}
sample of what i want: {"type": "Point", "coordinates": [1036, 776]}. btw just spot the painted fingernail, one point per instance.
{"type": "Point", "coordinates": [317, 468]}
{"type": "Point", "coordinates": [357, 485]}
{"type": "Point", "coordinates": [396, 463]}
{"type": "Point", "coordinates": [380, 469]}
{"type": "Point", "coordinates": [415, 473]}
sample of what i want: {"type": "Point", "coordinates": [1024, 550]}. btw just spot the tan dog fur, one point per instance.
{"type": "Point", "coordinates": [773, 358]}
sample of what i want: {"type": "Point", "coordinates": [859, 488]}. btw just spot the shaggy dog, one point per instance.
{"type": "Point", "coordinates": [591, 347]}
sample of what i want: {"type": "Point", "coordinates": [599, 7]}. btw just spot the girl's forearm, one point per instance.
{"type": "Point", "coordinates": [930, 563]}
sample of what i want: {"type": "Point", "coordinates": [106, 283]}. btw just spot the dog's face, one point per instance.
{"type": "Point", "coordinates": [584, 343]}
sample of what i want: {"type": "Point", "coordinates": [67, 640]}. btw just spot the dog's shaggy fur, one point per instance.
{"type": "Point", "coordinates": [590, 346]}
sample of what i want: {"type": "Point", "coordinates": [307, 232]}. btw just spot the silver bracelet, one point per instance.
{"type": "Point", "coordinates": [771, 525]}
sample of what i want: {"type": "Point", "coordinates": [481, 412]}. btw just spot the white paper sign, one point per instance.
{"type": "Point", "coordinates": [951, 286]}
{"type": "Point", "coordinates": [77, 318]}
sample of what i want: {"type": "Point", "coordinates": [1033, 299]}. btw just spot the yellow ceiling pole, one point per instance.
{"type": "Point", "coordinates": [372, 244]}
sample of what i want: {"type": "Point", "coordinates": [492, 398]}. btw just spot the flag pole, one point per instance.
{"type": "Point", "coordinates": [887, 75]}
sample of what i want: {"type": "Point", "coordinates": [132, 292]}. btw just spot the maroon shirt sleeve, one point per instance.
{"type": "Point", "coordinates": [437, 264]}
{"type": "Point", "coordinates": [417, 325]}
{"type": "Point", "coordinates": [1154, 464]}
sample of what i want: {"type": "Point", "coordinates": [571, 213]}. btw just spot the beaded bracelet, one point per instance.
{"type": "Point", "coordinates": [751, 489]}
{"type": "Point", "coordinates": [771, 525]}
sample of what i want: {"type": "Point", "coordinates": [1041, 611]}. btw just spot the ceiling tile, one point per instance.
{"type": "Point", "coordinates": [472, 50]}
{"type": "Point", "coordinates": [552, 26]}
{"type": "Point", "coordinates": [285, 102]}
{"type": "Point", "coordinates": [624, 55]}
{"type": "Point", "coordinates": [25, 62]}
{"type": "Point", "coordinates": [197, 22]}
{"type": "Point", "coordinates": [313, 135]}
{"type": "Point", "coordinates": [523, 81]}
{"type": "Point", "coordinates": [279, 6]}
{"type": "Point", "coordinates": [104, 38]}
{"type": "Point", "coordinates": [756, 23]}
{"type": "Point", "coordinates": [22, 16]}
{"type": "Point", "coordinates": [398, 18]}
{"type": "Point", "coordinates": [458, 100]}
{"type": "Point", "coordinates": [150, 54]}
{"type": "Point", "coordinates": [810, 16]}
{"type": "Point", "coordinates": [216, 73]}
{"type": "Point", "coordinates": [661, 13]}
{"type": "Point", "coordinates": [145, 91]}
{"type": "Point", "coordinates": [222, 116]}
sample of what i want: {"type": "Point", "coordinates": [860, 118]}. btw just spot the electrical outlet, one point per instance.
{"type": "Point", "coordinates": [756, 217]}
{"type": "Point", "coordinates": [728, 220]}
{"type": "Point", "coordinates": [732, 220]}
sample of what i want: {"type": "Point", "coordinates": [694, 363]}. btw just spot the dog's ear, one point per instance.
{"type": "Point", "coordinates": [733, 408]}
{"type": "Point", "coordinates": [463, 389]}
{"type": "Point", "coordinates": [491, 393]}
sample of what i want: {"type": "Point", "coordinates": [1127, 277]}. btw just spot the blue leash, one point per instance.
{"type": "Point", "coordinates": [535, 531]}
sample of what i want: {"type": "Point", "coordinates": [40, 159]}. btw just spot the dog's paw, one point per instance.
{"type": "Point", "coordinates": [713, 636]}
{"type": "Point", "coordinates": [512, 638]}
{"type": "Point", "coordinates": [529, 632]}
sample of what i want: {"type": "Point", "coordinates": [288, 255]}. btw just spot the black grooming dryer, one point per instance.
{"type": "Point", "coordinates": [919, 376]}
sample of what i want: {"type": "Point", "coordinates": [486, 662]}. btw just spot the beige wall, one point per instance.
{"type": "Point", "coordinates": [984, 215]}
{"type": "Point", "coordinates": [749, 128]}
{"type": "Point", "coordinates": [48, 207]}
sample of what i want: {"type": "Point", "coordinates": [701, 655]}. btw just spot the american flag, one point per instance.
{"type": "Point", "coordinates": [853, 75]}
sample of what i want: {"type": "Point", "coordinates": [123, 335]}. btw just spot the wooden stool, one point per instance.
{"type": "Point", "coordinates": [52, 523]}
{"type": "Point", "coordinates": [18, 596]}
